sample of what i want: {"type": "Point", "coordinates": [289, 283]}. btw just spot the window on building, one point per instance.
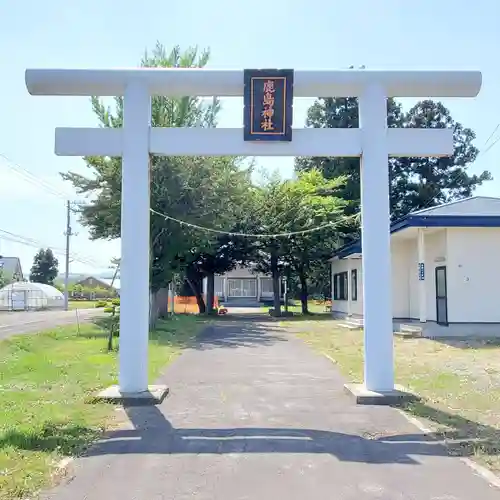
{"type": "Point", "coordinates": [266, 285]}
{"type": "Point", "coordinates": [340, 286]}
{"type": "Point", "coordinates": [354, 284]}
{"type": "Point", "coordinates": [219, 286]}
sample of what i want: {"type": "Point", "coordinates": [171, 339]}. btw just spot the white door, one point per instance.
{"type": "Point", "coordinates": [18, 300]}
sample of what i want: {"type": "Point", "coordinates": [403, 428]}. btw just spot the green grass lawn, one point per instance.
{"type": "Point", "coordinates": [46, 381]}
{"type": "Point", "coordinates": [297, 308]}
{"type": "Point", "coordinates": [312, 306]}
{"type": "Point", "coordinates": [82, 304]}
{"type": "Point", "coordinates": [458, 382]}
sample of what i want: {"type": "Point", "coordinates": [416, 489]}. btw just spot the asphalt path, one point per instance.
{"type": "Point", "coordinates": [14, 323]}
{"type": "Point", "coordinates": [254, 414]}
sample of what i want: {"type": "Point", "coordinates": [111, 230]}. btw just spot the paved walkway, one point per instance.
{"type": "Point", "coordinates": [15, 323]}
{"type": "Point", "coordinates": [256, 415]}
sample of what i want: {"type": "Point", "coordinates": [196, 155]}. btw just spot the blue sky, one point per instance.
{"type": "Point", "coordinates": [317, 34]}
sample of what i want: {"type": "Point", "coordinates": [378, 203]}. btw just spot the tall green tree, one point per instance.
{"type": "Point", "coordinates": [218, 253]}
{"type": "Point", "coordinates": [307, 207]}
{"type": "Point", "coordinates": [342, 112]}
{"type": "Point", "coordinates": [269, 206]}
{"type": "Point", "coordinates": [184, 188]}
{"type": "Point", "coordinates": [45, 267]}
{"type": "Point", "coordinates": [425, 182]}
{"type": "Point", "coordinates": [292, 206]}
{"type": "Point", "coordinates": [415, 183]}
{"type": "Point", "coordinates": [309, 252]}
{"type": "Point", "coordinates": [229, 250]}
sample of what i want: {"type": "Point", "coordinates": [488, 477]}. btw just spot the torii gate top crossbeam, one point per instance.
{"type": "Point", "coordinates": [178, 82]}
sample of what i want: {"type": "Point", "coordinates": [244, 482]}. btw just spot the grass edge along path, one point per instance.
{"type": "Point", "coordinates": [458, 384]}
{"type": "Point", "coordinates": [82, 304]}
{"type": "Point", "coordinates": [46, 381]}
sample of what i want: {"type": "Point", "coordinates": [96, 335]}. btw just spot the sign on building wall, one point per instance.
{"type": "Point", "coordinates": [421, 271]}
{"type": "Point", "coordinates": [268, 98]}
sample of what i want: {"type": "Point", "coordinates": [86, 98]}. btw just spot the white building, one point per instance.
{"type": "Point", "coordinates": [242, 284]}
{"type": "Point", "coordinates": [445, 269]}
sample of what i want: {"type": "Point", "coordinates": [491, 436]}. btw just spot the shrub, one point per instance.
{"type": "Point", "coordinates": [110, 323]}
{"type": "Point", "coordinates": [109, 309]}
{"type": "Point", "coordinates": [101, 303]}
{"type": "Point", "coordinates": [116, 302]}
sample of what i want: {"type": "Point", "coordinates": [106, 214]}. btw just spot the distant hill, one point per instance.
{"type": "Point", "coordinates": [75, 277]}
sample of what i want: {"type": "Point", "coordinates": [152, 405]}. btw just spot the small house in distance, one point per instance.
{"type": "Point", "coordinates": [243, 285]}
{"type": "Point", "coordinates": [95, 288]}
{"type": "Point", "coordinates": [445, 270]}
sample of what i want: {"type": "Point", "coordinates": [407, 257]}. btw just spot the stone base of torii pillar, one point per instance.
{"type": "Point", "coordinates": [153, 396]}
{"type": "Point", "coordinates": [364, 396]}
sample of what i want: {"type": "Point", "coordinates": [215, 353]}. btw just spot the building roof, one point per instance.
{"type": "Point", "coordinates": [103, 281]}
{"type": "Point", "coordinates": [42, 288]}
{"type": "Point", "coordinates": [10, 264]}
{"type": "Point", "coordinates": [477, 211]}
{"type": "Point", "coordinates": [476, 205]}
{"type": "Point", "coordinates": [107, 281]}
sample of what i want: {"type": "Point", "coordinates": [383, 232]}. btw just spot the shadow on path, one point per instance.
{"type": "Point", "coordinates": [154, 434]}
{"type": "Point", "coordinates": [464, 437]}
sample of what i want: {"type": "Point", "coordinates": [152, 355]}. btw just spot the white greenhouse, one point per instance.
{"type": "Point", "coordinates": [24, 296]}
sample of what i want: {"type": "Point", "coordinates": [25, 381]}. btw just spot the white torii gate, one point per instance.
{"type": "Point", "coordinates": [373, 141]}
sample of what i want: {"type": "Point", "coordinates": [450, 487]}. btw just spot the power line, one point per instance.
{"type": "Point", "coordinates": [32, 178]}
{"type": "Point", "coordinates": [491, 135]}
{"type": "Point", "coordinates": [23, 240]}
{"type": "Point", "coordinates": [245, 235]}
{"type": "Point", "coordinates": [490, 146]}
{"type": "Point", "coordinates": [39, 182]}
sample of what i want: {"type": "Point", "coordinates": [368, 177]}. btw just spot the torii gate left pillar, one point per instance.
{"type": "Point", "coordinates": [137, 140]}
{"type": "Point", "coordinates": [135, 229]}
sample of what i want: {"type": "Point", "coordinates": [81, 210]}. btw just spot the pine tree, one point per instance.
{"type": "Point", "coordinates": [415, 183]}
{"type": "Point", "coordinates": [342, 112]}
{"type": "Point", "coordinates": [424, 182]}
{"type": "Point", "coordinates": [45, 267]}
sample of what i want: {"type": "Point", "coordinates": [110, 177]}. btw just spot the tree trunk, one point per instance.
{"type": "Point", "coordinates": [153, 309]}
{"type": "Point", "coordinates": [276, 284]}
{"type": "Point", "coordinates": [111, 331]}
{"type": "Point", "coordinates": [166, 310]}
{"type": "Point", "coordinates": [199, 296]}
{"type": "Point", "coordinates": [210, 293]}
{"type": "Point", "coordinates": [303, 292]}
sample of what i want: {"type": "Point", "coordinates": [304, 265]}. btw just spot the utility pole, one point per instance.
{"type": "Point", "coordinates": [117, 268]}
{"type": "Point", "coordinates": [68, 234]}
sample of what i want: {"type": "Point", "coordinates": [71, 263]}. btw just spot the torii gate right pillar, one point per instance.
{"type": "Point", "coordinates": [375, 235]}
